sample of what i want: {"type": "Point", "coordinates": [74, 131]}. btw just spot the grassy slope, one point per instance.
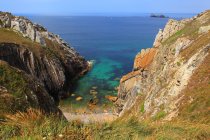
{"type": "Point", "coordinates": [51, 50]}
{"type": "Point", "coordinates": [198, 89]}
{"type": "Point", "coordinates": [35, 125]}
{"type": "Point", "coordinates": [16, 84]}
{"type": "Point", "coordinates": [9, 36]}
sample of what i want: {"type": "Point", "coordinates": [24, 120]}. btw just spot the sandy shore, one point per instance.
{"type": "Point", "coordinates": [91, 118]}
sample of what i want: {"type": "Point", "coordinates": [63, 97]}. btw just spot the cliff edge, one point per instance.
{"type": "Point", "coordinates": [171, 79]}
{"type": "Point", "coordinates": [36, 67]}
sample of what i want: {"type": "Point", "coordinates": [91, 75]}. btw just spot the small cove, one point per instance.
{"type": "Point", "coordinates": [111, 42]}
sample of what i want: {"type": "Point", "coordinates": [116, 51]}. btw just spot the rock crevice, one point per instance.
{"type": "Point", "coordinates": [43, 55]}
{"type": "Point", "coordinates": [161, 73]}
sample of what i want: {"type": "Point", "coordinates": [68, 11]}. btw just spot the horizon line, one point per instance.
{"type": "Point", "coordinates": [107, 14]}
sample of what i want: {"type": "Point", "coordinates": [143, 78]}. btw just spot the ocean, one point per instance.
{"type": "Point", "coordinates": [111, 42]}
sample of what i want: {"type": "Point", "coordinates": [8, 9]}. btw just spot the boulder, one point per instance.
{"type": "Point", "coordinates": [111, 98]}
{"type": "Point", "coordinates": [79, 98]}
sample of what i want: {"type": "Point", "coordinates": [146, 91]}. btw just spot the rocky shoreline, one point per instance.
{"type": "Point", "coordinates": [47, 66]}
{"type": "Point", "coordinates": [42, 56]}
{"type": "Point", "coordinates": [161, 73]}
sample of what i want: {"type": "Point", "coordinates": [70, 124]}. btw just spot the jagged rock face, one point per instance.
{"type": "Point", "coordinates": [180, 50]}
{"type": "Point", "coordinates": [49, 59]}
{"type": "Point", "coordinates": [28, 29]}
{"type": "Point", "coordinates": [144, 58]}
{"type": "Point", "coordinates": [55, 73]}
{"type": "Point", "coordinates": [27, 92]}
{"type": "Point", "coordinates": [127, 93]}
{"type": "Point", "coordinates": [5, 20]}
{"type": "Point", "coordinates": [171, 27]}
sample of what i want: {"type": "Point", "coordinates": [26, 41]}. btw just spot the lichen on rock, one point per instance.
{"type": "Point", "coordinates": [161, 73]}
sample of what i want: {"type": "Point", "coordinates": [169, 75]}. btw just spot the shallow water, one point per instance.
{"type": "Point", "coordinates": [112, 42]}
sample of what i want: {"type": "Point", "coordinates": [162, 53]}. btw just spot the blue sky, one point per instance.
{"type": "Point", "coordinates": [105, 7]}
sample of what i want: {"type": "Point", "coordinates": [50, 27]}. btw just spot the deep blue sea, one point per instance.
{"type": "Point", "coordinates": [112, 42]}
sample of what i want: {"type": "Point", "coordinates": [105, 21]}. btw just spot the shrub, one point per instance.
{"type": "Point", "coordinates": [178, 64]}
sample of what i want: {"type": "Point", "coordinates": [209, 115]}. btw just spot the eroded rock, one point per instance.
{"type": "Point", "coordinates": [47, 58]}
{"type": "Point", "coordinates": [204, 29]}
{"type": "Point", "coordinates": [160, 81]}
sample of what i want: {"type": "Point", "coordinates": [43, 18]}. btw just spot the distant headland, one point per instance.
{"type": "Point", "coordinates": [158, 16]}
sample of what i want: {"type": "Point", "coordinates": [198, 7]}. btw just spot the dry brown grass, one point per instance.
{"type": "Point", "coordinates": [9, 36]}
{"type": "Point", "coordinates": [149, 130]}
{"type": "Point", "coordinates": [197, 44]}
{"type": "Point", "coordinates": [24, 119]}
{"type": "Point", "coordinates": [33, 124]}
{"type": "Point", "coordinates": [54, 48]}
{"type": "Point", "coordinates": [198, 92]}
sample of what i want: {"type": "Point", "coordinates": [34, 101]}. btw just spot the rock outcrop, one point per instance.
{"type": "Point", "coordinates": [20, 91]}
{"type": "Point", "coordinates": [40, 54]}
{"type": "Point", "coordinates": [204, 29]}
{"type": "Point", "coordinates": [144, 58]}
{"type": "Point", "coordinates": [171, 27]}
{"type": "Point", "coordinates": [161, 73]}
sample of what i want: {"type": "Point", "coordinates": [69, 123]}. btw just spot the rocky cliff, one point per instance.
{"type": "Point", "coordinates": [46, 60]}
{"type": "Point", "coordinates": [162, 76]}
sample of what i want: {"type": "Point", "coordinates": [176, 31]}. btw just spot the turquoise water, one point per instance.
{"type": "Point", "coordinates": [112, 42]}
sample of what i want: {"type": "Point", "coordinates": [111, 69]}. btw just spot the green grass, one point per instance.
{"type": "Point", "coordinates": [12, 80]}
{"type": "Point", "coordinates": [198, 43]}
{"type": "Point", "coordinates": [9, 36]}
{"type": "Point", "coordinates": [49, 52]}
{"type": "Point", "coordinates": [52, 49]}
{"type": "Point", "coordinates": [129, 129]}
{"type": "Point", "coordinates": [16, 86]}
{"type": "Point", "coordinates": [159, 115]}
{"type": "Point", "coordinates": [142, 108]}
{"type": "Point", "coordinates": [135, 129]}
{"type": "Point", "coordinates": [190, 30]}
{"type": "Point", "coordinates": [198, 91]}
{"type": "Point", "coordinates": [35, 125]}
{"type": "Point", "coordinates": [174, 37]}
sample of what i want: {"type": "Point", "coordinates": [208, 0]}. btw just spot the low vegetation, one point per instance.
{"type": "Point", "coordinates": [15, 85]}
{"type": "Point", "coordinates": [13, 80]}
{"type": "Point", "coordinates": [34, 125]}
{"type": "Point", "coordinates": [199, 42]}
{"type": "Point", "coordinates": [195, 105]}
{"type": "Point", "coordinates": [10, 36]}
